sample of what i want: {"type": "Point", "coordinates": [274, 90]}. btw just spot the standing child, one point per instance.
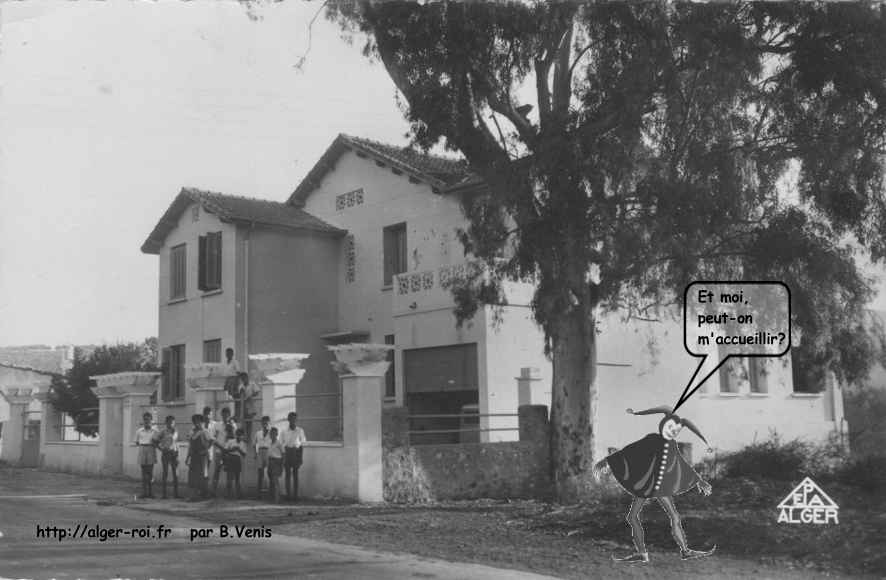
{"type": "Point", "coordinates": [168, 444]}
{"type": "Point", "coordinates": [275, 465]}
{"type": "Point", "coordinates": [145, 438]}
{"type": "Point", "coordinates": [198, 458]}
{"type": "Point", "coordinates": [261, 443]}
{"type": "Point", "coordinates": [232, 372]}
{"type": "Point", "coordinates": [235, 452]}
{"type": "Point", "coordinates": [293, 439]}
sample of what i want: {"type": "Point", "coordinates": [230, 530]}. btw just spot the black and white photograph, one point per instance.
{"type": "Point", "coordinates": [462, 290]}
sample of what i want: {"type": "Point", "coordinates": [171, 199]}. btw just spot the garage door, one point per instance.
{"type": "Point", "coordinates": [440, 381]}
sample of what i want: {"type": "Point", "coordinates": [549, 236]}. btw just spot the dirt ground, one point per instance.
{"type": "Point", "coordinates": [565, 541]}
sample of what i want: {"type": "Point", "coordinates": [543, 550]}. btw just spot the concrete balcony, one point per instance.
{"type": "Point", "coordinates": [280, 368]}
{"type": "Point", "coordinates": [206, 376]}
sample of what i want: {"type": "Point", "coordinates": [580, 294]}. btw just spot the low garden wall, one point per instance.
{"type": "Point", "coordinates": [512, 469]}
{"type": "Point", "coordinates": [82, 457]}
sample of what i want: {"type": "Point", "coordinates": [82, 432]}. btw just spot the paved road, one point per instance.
{"type": "Point", "coordinates": [24, 555]}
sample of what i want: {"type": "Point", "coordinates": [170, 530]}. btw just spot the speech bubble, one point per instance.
{"type": "Point", "coordinates": [733, 319]}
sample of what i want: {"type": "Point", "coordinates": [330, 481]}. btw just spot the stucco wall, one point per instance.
{"type": "Point", "coordinates": [431, 221]}
{"type": "Point", "coordinates": [71, 457]}
{"type": "Point", "coordinates": [200, 316]}
{"type": "Point", "coordinates": [655, 372]}
{"type": "Point", "coordinates": [511, 344]}
{"type": "Point", "coordinates": [291, 303]}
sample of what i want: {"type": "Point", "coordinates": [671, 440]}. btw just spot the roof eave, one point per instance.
{"type": "Point", "coordinates": [332, 232]}
{"type": "Point", "coordinates": [330, 157]}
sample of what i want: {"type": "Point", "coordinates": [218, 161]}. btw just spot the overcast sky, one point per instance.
{"type": "Point", "coordinates": [109, 108]}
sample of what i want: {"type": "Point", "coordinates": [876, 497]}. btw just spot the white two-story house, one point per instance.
{"type": "Point", "coordinates": [365, 250]}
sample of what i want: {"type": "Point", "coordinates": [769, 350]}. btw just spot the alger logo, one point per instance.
{"type": "Point", "coordinates": [808, 504]}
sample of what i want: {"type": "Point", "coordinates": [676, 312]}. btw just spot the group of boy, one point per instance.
{"type": "Point", "coordinates": [214, 446]}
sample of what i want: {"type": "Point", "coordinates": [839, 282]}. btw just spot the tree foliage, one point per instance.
{"type": "Point", "coordinates": [72, 394]}
{"type": "Point", "coordinates": [668, 142]}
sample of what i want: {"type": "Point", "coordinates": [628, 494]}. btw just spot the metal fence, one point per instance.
{"type": "Point", "coordinates": [443, 428]}
{"type": "Point", "coordinates": [68, 431]}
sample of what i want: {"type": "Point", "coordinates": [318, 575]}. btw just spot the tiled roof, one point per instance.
{"type": "Point", "coordinates": [441, 173]}
{"type": "Point", "coordinates": [233, 208]}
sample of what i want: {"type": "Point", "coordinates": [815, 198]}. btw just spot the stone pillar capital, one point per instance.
{"type": "Point", "coordinates": [42, 396]}
{"type": "Point", "coordinates": [128, 383]}
{"type": "Point", "coordinates": [361, 359]}
{"type": "Point", "coordinates": [277, 367]}
{"type": "Point", "coordinates": [18, 395]}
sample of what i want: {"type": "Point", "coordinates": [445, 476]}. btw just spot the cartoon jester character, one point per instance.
{"type": "Point", "coordinates": [653, 468]}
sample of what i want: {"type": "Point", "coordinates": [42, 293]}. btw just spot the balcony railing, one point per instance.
{"type": "Point", "coordinates": [432, 289]}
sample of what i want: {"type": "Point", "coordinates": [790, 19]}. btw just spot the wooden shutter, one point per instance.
{"type": "Point", "coordinates": [215, 254]}
{"type": "Point", "coordinates": [389, 250]}
{"type": "Point", "coordinates": [201, 263]}
{"type": "Point", "coordinates": [400, 236]}
{"type": "Point", "coordinates": [167, 374]}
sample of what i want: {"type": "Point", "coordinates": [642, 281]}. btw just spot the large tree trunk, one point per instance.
{"type": "Point", "coordinates": [573, 403]}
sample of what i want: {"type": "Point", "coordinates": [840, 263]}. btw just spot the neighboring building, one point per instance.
{"type": "Point", "coordinates": [256, 276]}
{"type": "Point", "coordinates": [366, 250]}
{"type": "Point", "coordinates": [25, 370]}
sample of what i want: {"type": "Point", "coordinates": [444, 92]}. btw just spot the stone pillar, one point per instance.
{"type": "Point", "coordinates": [49, 423]}
{"type": "Point", "coordinates": [362, 368]}
{"type": "Point", "coordinates": [13, 431]}
{"type": "Point", "coordinates": [277, 374]}
{"type": "Point", "coordinates": [208, 382]}
{"type": "Point", "coordinates": [534, 424]}
{"type": "Point", "coordinates": [110, 428]}
{"type": "Point", "coordinates": [123, 398]}
{"type": "Point", "coordinates": [530, 390]}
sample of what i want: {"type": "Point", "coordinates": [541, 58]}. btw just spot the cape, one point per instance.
{"type": "Point", "coordinates": [652, 467]}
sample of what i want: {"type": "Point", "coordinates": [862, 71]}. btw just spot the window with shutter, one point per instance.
{"type": "Point", "coordinates": [177, 272]}
{"type": "Point", "coordinates": [173, 369]}
{"type": "Point", "coordinates": [210, 261]}
{"type": "Point", "coordinates": [394, 252]}
{"type": "Point", "coordinates": [201, 262]}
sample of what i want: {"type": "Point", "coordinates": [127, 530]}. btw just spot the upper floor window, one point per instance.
{"type": "Point", "coordinates": [212, 351]}
{"type": "Point", "coordinates": [210, 261]}
{"type": "Point", "coordinates": [178, 271]}
{"type": "Point", "coordinates": [394, 252]}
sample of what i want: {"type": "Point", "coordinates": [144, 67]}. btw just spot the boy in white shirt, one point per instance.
{"type": "Point", "coordinates": [145, 438]}
{"type": "Point", "coordinates": [293, 440]}
{"type": "Point", "coordinates": [261, 443]}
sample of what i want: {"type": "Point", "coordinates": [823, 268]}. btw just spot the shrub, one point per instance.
{"type": "Point", "coordinates": [868, 473]}
{"type": "Point", "coordinates": [775, 459]}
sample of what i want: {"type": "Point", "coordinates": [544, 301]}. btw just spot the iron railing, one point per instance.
{"type": "Point", "coordinates": [437, 433]}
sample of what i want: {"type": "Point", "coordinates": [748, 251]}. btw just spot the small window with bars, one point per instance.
{"type": "Point", "coordinates": [212, 351]}
{"type": "Point", "coordinates": [178, 272]}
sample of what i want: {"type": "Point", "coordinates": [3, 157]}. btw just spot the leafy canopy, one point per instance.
{"type": "Point", "coordinates": [667, 142]}
{"type": "Point", "coordinates": [72, 394]}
